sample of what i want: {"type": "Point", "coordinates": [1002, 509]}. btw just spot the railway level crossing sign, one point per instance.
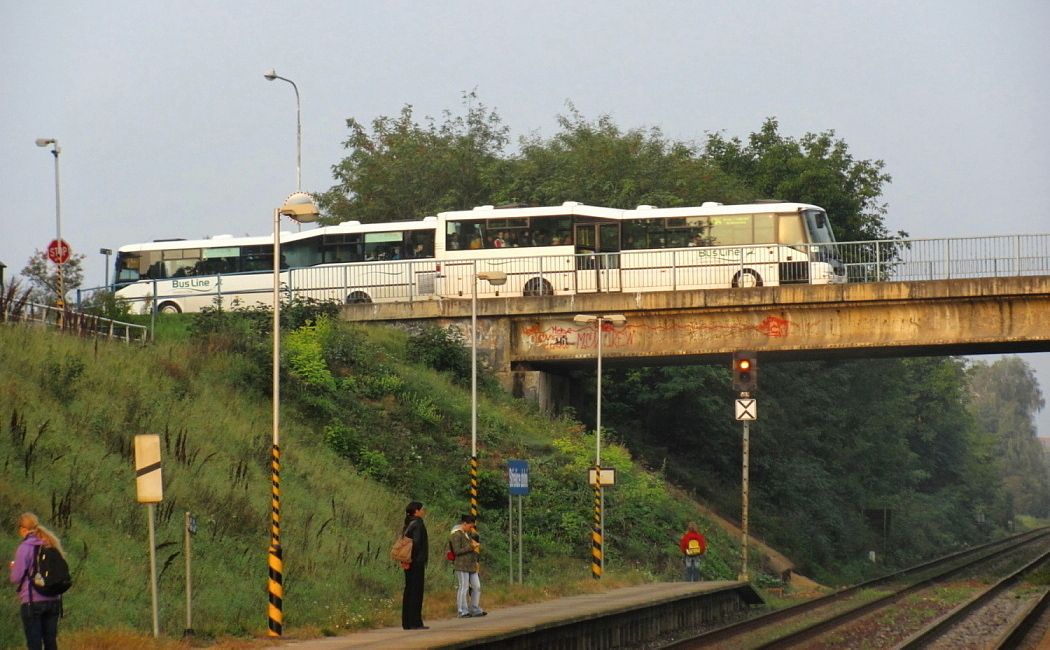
{"type": "Point", "coordinates": [746, 409]}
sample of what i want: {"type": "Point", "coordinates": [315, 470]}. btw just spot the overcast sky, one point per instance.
{"type": "Point", "coordinates": [168, 128]}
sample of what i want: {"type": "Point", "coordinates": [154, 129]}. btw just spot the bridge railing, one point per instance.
{"type": "Point", "coordinates": [622, 271]}
{"type": "Point", "coordinates": [902, 260]}
{"type": "Point", "coordinates": [74, 322]}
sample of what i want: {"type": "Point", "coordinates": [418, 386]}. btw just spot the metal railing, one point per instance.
{"type": "Point", "coordinates": [891, 260]}
{"type": "Point", "coordinates": [75, 322]}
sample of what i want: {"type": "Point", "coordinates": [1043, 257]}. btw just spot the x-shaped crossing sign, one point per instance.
{"type": "Point", "coordinates": [746, 409]}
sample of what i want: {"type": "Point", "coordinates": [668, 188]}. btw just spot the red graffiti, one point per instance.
{"type": "Point", "coordinates": [774, 327]}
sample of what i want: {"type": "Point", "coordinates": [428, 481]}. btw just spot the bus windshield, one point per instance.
{"type": "Point", "coordinates": [818, 226]}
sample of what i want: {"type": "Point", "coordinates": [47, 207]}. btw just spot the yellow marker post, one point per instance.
{"type": "Point", "coordinates": [596, 536]}
{"type": "Point", "coordinates": [474, 486]}
{"type": "Point", "coordinates": [275, 583]}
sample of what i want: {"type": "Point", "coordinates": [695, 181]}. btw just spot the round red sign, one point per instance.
{"type": "Point", "coordinates": [58, 251]}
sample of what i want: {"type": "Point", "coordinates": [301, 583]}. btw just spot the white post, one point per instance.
{"type": "Point", "coordinates": [189, 588]}
{"type": "Point", "coordinates": [744, 501]}
{"type": "Point", "coordinates": [474, 390]}
{"type": "Point", "coordinates": [598, 446]}
{"type": "Point", "coordinates": [521, 542]}
{"type": "Point", "coordinates": [150, 510]}
{"type": "Point", "coordinates": [510, 535]}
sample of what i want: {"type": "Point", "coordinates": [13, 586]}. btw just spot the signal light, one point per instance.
{"type": "Point", "coordinates": [744, 371]}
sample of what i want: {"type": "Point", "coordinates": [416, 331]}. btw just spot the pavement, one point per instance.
{"type": "Point", "coordinates": [500, 622]}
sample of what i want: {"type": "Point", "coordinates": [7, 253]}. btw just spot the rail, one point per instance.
{"type": "Point", "coordinates": [74, 322]}
{"type": "Point", "coordinates": [890, 260]}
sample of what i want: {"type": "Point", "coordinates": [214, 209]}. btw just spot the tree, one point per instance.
{"type": "Point", "coordinates": [42, 275]}
{"type": "Point", "coordinates": [403, 170]}
{"type": "Point", "coordinates": [1005, 399]}
{"type": "Point", "coordinates": [816, 168]}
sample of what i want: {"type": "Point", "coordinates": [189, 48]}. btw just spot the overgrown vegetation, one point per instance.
{"type": "Point", "coordinates": [365, 428]}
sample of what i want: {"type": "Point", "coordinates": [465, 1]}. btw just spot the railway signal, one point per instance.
{"type": "Point", "coordinates": [745, 371]}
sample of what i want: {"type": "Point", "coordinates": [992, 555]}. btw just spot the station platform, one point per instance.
{"type": "Point", "coordinates": [617, 618]}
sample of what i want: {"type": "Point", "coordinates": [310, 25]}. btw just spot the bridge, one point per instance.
{"type": "Point", "coordinates": [973, 296]}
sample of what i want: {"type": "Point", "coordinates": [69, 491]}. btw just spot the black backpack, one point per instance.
{"type": "Point", "coordinates": [50, 572]}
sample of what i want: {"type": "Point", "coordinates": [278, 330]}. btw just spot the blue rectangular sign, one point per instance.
{"type": "Point", "coordinates": [518, 474]}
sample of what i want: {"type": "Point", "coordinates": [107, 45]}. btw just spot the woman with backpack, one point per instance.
{"type": "Point", "coordinates": [40, 613]}
{"type": "Point", "coordinates": [415, 569]}
{"type": "Point", "coordinates": [693, 545]}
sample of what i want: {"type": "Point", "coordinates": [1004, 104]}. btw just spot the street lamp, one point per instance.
{"type": "Point", "coordinates": [301, 208]}
{"type": "Point", "coordinates": [271, 74]}
{"type": "Point", "coordinates": [107, 252]}
{"type": "Point", "coordinates": [55, 150]}
{"type": "Point", "coordinates": [495, 278]}
{"type": "Point", "coordinates": [598, 568]}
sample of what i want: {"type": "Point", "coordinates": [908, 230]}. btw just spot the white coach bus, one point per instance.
{"type": "Point", "coordinates": [576, 248]}
{"type": "Point", "coordinates": [397, 261]}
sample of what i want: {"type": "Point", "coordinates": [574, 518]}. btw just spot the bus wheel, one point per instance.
{"type": "Point", "coordinates": [747, 278]}
{"type": "Point", "coordinates": [169, 308]}
{"type": "Point", "coordinates": [538, 287]}
{"type": "Point", "coordinates": [358, 297]}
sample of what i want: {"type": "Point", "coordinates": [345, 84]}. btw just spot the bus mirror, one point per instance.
{"type": "Point", "coordinates": [822, 220]}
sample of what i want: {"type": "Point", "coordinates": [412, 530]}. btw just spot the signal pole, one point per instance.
{"type": "Point", "coordinates": [745, 379]}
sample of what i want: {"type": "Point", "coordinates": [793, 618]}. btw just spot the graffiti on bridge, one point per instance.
{"type": "Point", "coordinates": [560, 336]}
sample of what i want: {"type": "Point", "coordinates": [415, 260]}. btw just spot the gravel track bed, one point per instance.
{"type": "Point", "coordinates": [981, 628]}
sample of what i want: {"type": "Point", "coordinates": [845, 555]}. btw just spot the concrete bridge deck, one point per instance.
{"type": "Point", "coordinates": [585, 617]}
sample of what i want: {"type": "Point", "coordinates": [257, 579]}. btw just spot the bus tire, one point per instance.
{"type": "Point", "coordinates": [358, 298]}
{"type": "Point", "coordinates": [538, 287]}
{"type": "Point", "coordinates": [747, 278]}
{"type": "Point", "coordinates": [168, 308]}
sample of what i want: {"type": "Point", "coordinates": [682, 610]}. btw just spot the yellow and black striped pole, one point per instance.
{"type": "Point", "coordinates": [596, 536]}
{"type": "Point", "coordinates": [276, 580]}
{"type": "Point", "coordinates": [474, 486]}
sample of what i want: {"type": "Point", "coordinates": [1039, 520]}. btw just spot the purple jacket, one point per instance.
{"type": "Point", "coordinates": [23, 565]}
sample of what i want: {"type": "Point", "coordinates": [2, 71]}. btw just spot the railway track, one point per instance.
{"type": "Point", "coordinates": [804, 623]}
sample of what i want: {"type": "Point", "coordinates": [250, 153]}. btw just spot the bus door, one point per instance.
{"type": "Point", "coordinates": [597, 257]}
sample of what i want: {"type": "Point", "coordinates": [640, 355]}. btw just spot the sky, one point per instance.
{"type": "Point", "coordinates": [169, 129]}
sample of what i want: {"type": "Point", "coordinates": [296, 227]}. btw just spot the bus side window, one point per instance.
{"type": "Point", "coordinates": [790, 229]}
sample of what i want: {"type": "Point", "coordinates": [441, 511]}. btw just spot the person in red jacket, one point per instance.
{"type": "Point", "coordinates": [693, 546]}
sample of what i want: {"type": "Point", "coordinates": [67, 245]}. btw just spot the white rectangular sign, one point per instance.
{"type": "Point", "coordinates": [746, 409]}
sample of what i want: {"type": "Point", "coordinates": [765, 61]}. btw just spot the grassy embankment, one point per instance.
{"type": "Point", "coordinates": [365, 429]}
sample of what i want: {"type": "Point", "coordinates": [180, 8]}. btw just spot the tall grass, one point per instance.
{"type": "Point", "coordinates": [69, 411]}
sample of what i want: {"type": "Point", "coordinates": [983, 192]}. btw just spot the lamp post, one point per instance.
{"type": "Point", "coordinates": [301, 208]}
{"type": "Point", "coordinates": [495, 278]}
{"type": "Point", "coordinates": [271, 74]}
{"type": "Point", "coordinates": [107, 252]}
{"type": "Point", "coordinates": [55, 150]}
{"type": "Point", "coordinates": [598, 556]}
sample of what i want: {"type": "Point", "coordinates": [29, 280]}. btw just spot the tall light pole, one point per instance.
{"type": "Point", "coordinates": [597, 540]}
{"type": "Point", "coordinates": [55, 150]}
{"type": "Point", "coordinates": [107, 252]}
{"type": "Point", "coordinates": [271, 74]}
{"type": "Point", "coordinates": [495, 278]}
{"type": "Point", "coordinates": [301, 208]}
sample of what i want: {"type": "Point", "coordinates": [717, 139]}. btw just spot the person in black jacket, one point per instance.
{"type": "Point", "coordinates": [412, 601]}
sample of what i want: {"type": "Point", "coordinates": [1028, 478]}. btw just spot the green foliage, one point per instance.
{"type": "Point", "coordinates": [442, 349]}
{"type": "Point", "coordinates": [404, 169]}
{"type": "Point", "coordinates": [107, 305]}
{"type": "Point", "coordinates": [43, 276]}
{"type": "Point", "coordinates": [1005, 398]}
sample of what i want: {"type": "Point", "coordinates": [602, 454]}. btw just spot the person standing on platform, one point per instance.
{"type": "Point", "coordinates": [693, 546]}
{"type": "Point", "coordinates": [466, 549]}
{"type": "Point", "coordinates": [40, 613]}
{"type": "Point", "coordinates": [412, 600]}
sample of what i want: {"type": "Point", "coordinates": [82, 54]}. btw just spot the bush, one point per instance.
{"type": "Point", "coordinates": [442, 349]}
